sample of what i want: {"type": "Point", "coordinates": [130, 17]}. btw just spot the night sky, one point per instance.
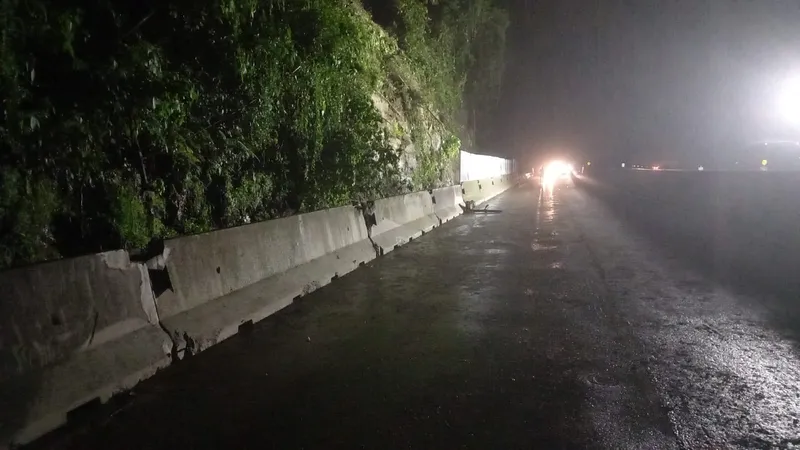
{"type": "Point", "coordinates": [647, 80]}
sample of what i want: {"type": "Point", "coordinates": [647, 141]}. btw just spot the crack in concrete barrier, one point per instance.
{"type": "Point", "coordinates": [160, 281]}
{"type": "Point", "coordinates": [368, 213]}
{"type": "Point", "coordinates": [438, 217]}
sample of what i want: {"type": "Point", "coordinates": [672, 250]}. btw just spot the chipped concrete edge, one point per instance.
{"type": "Point", "coordinates": [50, 417]}
{"type": "Point", "coordinates": [368, 216]}
{"type": "Point", "coordinates": [159, 263]}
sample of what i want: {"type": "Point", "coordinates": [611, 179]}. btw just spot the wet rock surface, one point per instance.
{"type": "Point", "coordinates": [549, 325]}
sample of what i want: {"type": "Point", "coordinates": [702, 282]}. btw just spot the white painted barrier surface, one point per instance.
{"type": "Point", "coordinates": [480, 167]}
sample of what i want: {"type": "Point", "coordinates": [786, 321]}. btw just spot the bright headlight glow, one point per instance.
{"type": "Point", "coordinates": [789, 101]}
{"type": "Point", "coordinates": [557, 169]}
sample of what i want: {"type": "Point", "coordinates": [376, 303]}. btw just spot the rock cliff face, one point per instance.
{"type": "Point", "coordinates": [417, 152]}
{"type": "Point", "coordinates": [429, 148]}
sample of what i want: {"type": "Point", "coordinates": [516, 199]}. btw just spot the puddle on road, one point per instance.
{"type": "Point", "coordinates": [462, 230]}
{"type": "Point", "coordinates": [601, 380]}
{"type": "Point", "coordinates": [537, 247]}
{"type": "Point", "coordinates": [496, 251]}
{"type": "Point", "coordinates": [488, 251]}
{"type": "Point", "coordinates": [540, 232]}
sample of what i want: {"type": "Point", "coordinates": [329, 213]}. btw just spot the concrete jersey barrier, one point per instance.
{"type": "Point", "coordinates": [471, 191]}
{"type": "Point", "coordinates": [447, 201]}
{"type": "Point", "coordinates": [82, 329]}
{"type": "Point", "coordinates": [227, 278]}
{"type": "Point", "coordinates": [73, 331]}
{"type": "Point", "coordinates": [479, 191]}
{"type": "Point", "coordinates": [397, 220]}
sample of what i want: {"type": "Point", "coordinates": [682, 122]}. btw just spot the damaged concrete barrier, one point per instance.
{"type": "Point", "coordinates": [73, 332]}
{"type": "Point", "coordinates": [471, 191]}
{"type": "Point", "coordinates": [397, 220]}
{"type": "Point", "coordinates": [224, 279]}
{"type": "Point", "coordinates": [446, 202]}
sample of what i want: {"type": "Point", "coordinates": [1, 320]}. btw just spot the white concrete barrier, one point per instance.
{"type": "Point", "coordinates": [82, 329]}
{"type": "Point", "coordinates": [481, 191]}
{"type": "Point", "coordinates": [402, 218]}
{"type": "Point", "coordinates": [475, 166]}
{"type": "Point", "coordinates": [73, 331]}
{"type": "Point", "coordinates": [446, 202]}
{"type": "Point", "coordinates": [471, 191]}
{"type": "Point", "coordinates": [227, 278]}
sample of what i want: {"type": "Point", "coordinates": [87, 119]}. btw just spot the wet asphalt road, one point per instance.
{"type": "Point", "coordinates": [552, 325]}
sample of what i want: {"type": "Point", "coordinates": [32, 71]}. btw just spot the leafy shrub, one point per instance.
{"type": "Point", "coordinates": [131, 120]}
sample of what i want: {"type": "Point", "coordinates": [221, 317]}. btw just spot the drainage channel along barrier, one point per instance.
{"type": "Point", "coordinates": [226, 279]}
{"type": "Point", "coordinates": [447, 202]}
{"type": "Point", "coordinates": [479, 191]}
{"type": "Point", "coordinates": [73, 332]}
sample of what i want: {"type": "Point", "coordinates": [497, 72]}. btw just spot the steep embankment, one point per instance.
{"type": "Point", "coordinates": [130, 121]}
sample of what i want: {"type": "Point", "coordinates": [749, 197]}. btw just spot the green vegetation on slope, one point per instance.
{"type": "Point", "coordinates": [450, 62]}
{"type": "Point", "coordinates": [132, 120]}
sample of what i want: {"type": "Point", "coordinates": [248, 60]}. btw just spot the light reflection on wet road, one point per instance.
{"type": "Point", "coordinates": [727, 375]}
{"type": "Point", "coordinates": [548, 325]}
